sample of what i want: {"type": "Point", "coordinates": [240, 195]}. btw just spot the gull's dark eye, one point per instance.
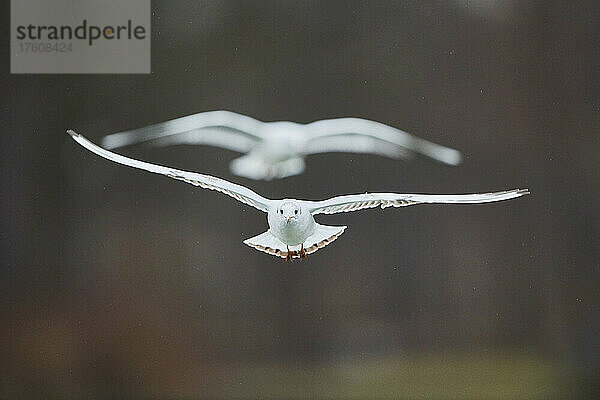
{"type": "Point", "coordinates": [296, 212]}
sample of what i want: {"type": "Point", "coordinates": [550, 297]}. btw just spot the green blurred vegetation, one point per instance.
{"type": "Point", "coordinates": [452, 376]}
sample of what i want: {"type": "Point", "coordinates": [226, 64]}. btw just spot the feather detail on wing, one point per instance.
{"type": "Point", "coordinates": [371, 200]}
{"type": "Point", "coordinates": [238, 192]}
{"type": "Point", "coordinates": [197, 127]}
{"type": "Point", "coordinates": [363, 127]}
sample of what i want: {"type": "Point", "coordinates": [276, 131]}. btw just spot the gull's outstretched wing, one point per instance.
{"type": "Point", "coordinates": [355, 202]}
{"type": "Point", "coordinates": [218, 136]}
{"type": "Point", "coordinates": [339, 129]}
{"type": "Point", "coordinates": [216, 128]}
{"type": "Point", "coordinates": [355, 144]}
{"type": "Point", "coordinates": [238, 192]}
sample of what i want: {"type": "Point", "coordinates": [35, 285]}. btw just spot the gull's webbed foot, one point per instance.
{"type": "Point", "coordinates": [302, 253]}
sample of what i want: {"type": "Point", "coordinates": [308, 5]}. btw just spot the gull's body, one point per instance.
{"type": "Point", "coordinates": [293, 231]}
{"type": "Point", "coordinates": [277, 149]}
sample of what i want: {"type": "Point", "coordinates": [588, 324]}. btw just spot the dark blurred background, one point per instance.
{"type": "Point", "coordinates": [116, 283]}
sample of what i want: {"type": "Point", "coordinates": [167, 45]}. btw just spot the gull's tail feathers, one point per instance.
{"type": "Point", "coordinates": [269, 244]}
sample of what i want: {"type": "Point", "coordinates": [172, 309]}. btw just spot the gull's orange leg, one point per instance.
{"type": "Point", "coordinates": [302, 253]}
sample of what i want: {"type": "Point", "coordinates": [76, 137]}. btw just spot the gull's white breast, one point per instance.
{"type": "Point", "coordinates": [282, 140]}
{"type": "Point", "coordinates": [291, 233]}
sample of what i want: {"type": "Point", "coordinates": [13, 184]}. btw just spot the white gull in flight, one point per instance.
{"type": "Point", "coordinates": [293, 232]}
{"type": "Point", "coordinates": [277, 149]}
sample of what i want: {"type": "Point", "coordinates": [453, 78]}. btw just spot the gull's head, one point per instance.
{"type": "Point", "coordinates": [289, 211]}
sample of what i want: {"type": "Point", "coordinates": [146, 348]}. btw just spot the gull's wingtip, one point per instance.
{"type": "Point", "coordinates": [73, 133]}
{"type": "Point", "coordinates": [438, 152]}
{"type": "Point", "coordinates": [523, 192]}
{"type": "Point", "coordinates": [453, 157]}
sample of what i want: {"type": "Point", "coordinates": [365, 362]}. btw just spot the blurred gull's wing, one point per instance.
{"type": "Point", "coordinates": [370, 200]}
{"type": "Point", "coordinates": [339, 129]}
{"type": "Point", "coordinates": [238, 192]}
{"type": "Point", "coordinates": [354, 144]}
{"type": "Point", "coordinates": [218, 136]}
{"type": "Point", "coordinates": [217, 128]}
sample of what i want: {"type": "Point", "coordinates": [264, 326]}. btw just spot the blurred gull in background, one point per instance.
{"type": "Point", "coordinates": [277, 149]}
{"type": "Point", "coordinates": [293, 232]}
